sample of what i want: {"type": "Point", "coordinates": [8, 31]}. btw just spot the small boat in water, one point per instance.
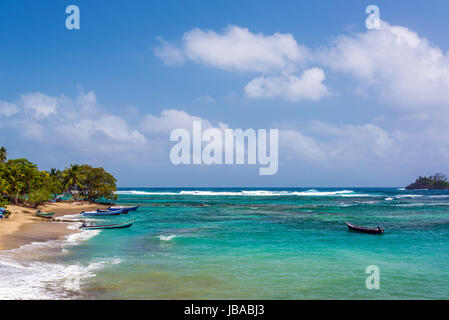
{"type": "Point", "coordinates": [106, 213]}
{"type": "Point", "coordinates": [44, 214]}
{"type": "Point", "coordinates": [353, 227]}
{"type": "Point", "coordinates": [128, 208]}
{"type": "Point", "coordinates": [124, 211]}
{"type": "Point", "coordinates": [128, 224]}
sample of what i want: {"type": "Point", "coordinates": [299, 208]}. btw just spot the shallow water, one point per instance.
{"type": "Point", "coordinates": [251, 244]}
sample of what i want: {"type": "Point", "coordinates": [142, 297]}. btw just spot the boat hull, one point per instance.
{"type": "Point", "coordinates": [353, 227]}
{"type": "Point", "coordinates": [127, 208]}
{"type": "Point", "coordinates": [107, 213]}
{"type": "Point", "coordinates": [124, 211]}
{"type": "Point", "coordinates": [44, 215]}
{"type": "Point", "coordinates": [109, 226]}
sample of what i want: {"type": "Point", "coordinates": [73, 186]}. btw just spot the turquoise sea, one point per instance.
{"type": "Point", "coordinates": [234, 243]}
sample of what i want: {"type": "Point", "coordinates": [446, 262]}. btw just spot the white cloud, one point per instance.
{"type": "Point", "coordinates": [39, 104]}
{"type": "Point", "coordinates": [403, 67]}
{"type": "Point", "coordinates": [86, 103]}
{"type": "Point", "coordinates": [109, 125]}
{"type": "Point", "coordinates": [173, 119]}
{"type": "Point", "coordinates": [298, 145]}
{"type": "Point", "coordinates": [309, 86]}
{"type": "Point", "coordinates": [354, 141]}
{"type": "Point", "coordinates": [32, 130]}
{"type": "Point", "coordinates": [239, 49]}
{"type": "Point", "coordinates": [8, 109]}
{"type": "Point", "coordinates": [337, 144]}
{"type": "Point", "coordinates": [170, 54]}
{"type": "Point", "coordinates": [80, 123]}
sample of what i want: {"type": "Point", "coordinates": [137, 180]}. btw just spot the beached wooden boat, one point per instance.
{"type": "Point", "coordinates": [44, 214]}
{"type": "Point", "coordinates": [128, 208]}
{"type": "Point", "coordinates": [106, 213]}
{"type": "Point", "coordinates": [354, 227]}
{"type": "Point", "coordinates": [108, 226]}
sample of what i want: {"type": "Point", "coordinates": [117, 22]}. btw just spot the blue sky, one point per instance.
{"type": "Point", "coordinates": [354, 107]}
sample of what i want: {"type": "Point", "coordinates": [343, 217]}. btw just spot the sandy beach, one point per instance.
{"type": "Point", "coordinates": [22, 227]}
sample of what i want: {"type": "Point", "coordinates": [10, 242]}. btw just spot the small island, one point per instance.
{"type": "Point", "coordinates": [438, 181]}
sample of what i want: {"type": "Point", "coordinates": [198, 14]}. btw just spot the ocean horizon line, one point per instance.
{"type": "Point", "coordinates": [266, 187]}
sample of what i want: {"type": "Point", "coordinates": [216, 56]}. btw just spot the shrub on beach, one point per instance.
{"type": "Point", "coordinates": [40, 196]}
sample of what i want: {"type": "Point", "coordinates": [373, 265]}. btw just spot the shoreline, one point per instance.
{"type": "Point", "coordinates": [23, 227]}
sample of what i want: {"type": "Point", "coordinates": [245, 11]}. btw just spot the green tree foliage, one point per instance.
{"type": "Point", "coordinates": [39, 196]}
{"type": "Point", "coordinates": [21, 182]}
{"type": "Point", "coordinates": [97, 184]}
{"type": "Point", "coordinates": [72, 178]}
{"type": "Point", "coordinates": [3, 154]}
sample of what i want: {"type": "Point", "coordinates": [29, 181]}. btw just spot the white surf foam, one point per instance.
{"type": "Point", "coordinates": [24, 273]}
{"type": "Point", "coordinates": [143, 193]}
{"type": "Point", "coordinates": [408, 196]}
{"type": "Point", "coordinates": [166, 238]}
{"type": "Point", "coordinates": [311, 192]}
{"type": "Point", "coordinates": [45, 280]}
{"type": "Point", "coordinates": [70, 217]}
{"type": "Point", "coordinates": [421, 204]}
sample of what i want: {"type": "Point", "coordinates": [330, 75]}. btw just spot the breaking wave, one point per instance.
{"type": "Point", "coordinates": [25, 272]}
{"type": "Point", "coordinates": [255, 193]}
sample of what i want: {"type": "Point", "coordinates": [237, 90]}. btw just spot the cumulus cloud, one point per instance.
{"type": "Point", "coordinates": [239, 49]}
{"type": "Point", "coordinates": [309, 86]}
{"type": "Point", "coordinates": [81, 122]}
{"type": "Point", "coordinates": [39, 104]}
{"type": "Point", "coordinates": [298, 145]}
{"type": "Point", "coordinates": [110, 126]}
{"type": "Point", "coordinates": [331, 143]}
{"type": "Point", "coordinates": [401, 67]}
{"type": "Point", "coordinates": [352, 141]}
{"type": "Point", "coordinates": [8, 109]}
{"type": "Point", "coordinates": [405, 69]}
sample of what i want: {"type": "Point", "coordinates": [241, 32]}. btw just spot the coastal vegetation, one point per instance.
{"type": "Point", "coordinates": [438, 181]}
{"type": "Point", "coordinates": [22, 183]}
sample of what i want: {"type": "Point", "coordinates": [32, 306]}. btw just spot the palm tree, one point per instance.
{"type": "Point", "coordinates": [30, 172]}
{"type": "Point", "coordinates": [72, 178]}
{"type": "Point", "coordinates": [3, 154]}
{"type": "Point", "coordinates": [14, 182]}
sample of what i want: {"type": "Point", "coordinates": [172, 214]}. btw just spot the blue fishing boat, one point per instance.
{"type": "Point", "coordinates": [124, 211]}
{"type": "Point", "coordinates": [128, 208]}
{"type": "Point", "coordinates": [128, 224]}
{"type": "Point", "coordinates": [107, 213]}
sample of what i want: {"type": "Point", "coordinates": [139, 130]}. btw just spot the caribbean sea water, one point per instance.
{"type": "Point", "coordinates": [289, 243]}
